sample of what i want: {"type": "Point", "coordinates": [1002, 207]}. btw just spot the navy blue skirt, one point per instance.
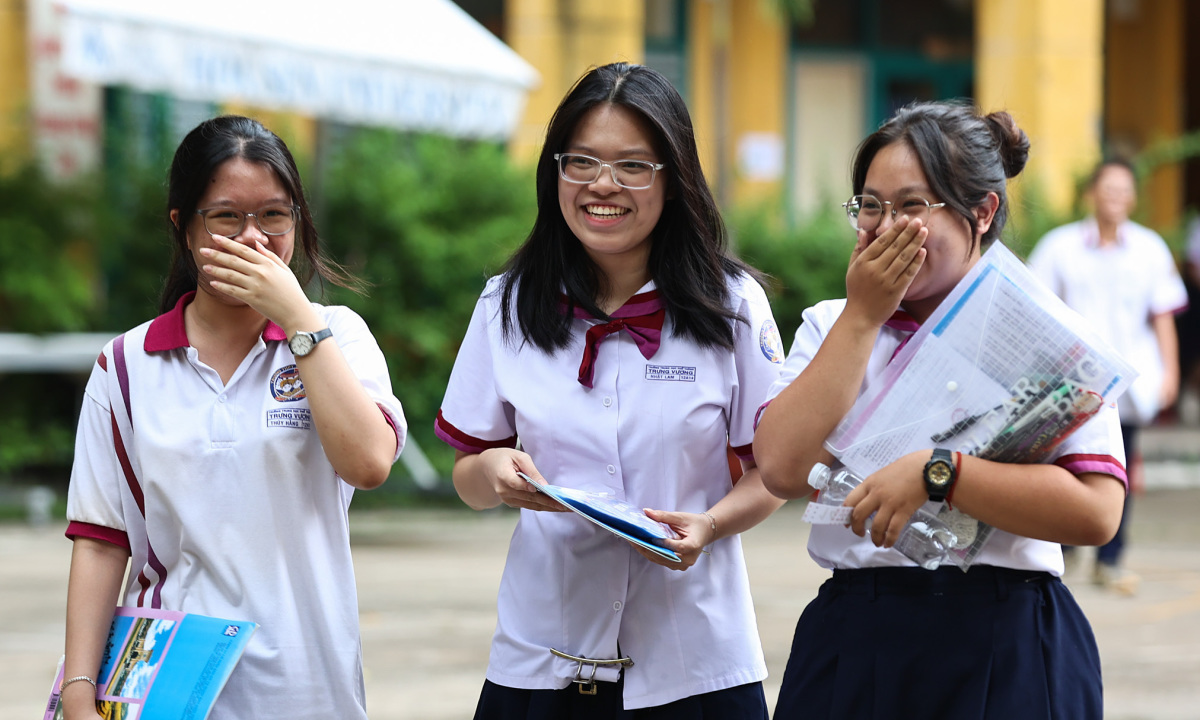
{"type": "Point", "coordinates": [991, 643]}
{"type": "Point", "coordinates": [497, 702]}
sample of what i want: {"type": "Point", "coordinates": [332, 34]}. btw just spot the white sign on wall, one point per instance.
{"type": "Point", "coordinates": [67, 112]}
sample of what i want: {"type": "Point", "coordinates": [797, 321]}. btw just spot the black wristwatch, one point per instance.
{"type": "Point", "coordinates": [939, 475]}
{"type": "Point", "coordinates": [302, 343]}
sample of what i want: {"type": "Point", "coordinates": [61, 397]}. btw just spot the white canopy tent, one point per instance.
{"type": "Point", "coordinates": [406, 64]}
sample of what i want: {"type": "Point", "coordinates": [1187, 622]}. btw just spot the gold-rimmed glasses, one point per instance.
{"type": "Point", "coordinates": [865, 212]}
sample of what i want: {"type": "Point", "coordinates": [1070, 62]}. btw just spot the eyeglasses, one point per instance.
{"type": "Point", "coordinates": [585, 169]}
{"type": "Point", "coordinates": [271, 220]}
{"type": "Point", "coordinates": [865, 212]}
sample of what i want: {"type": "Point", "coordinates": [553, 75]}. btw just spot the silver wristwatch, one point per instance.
{"type": "Point", "coordinates": [302, 343]}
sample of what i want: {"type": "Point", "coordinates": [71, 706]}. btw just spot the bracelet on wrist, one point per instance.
{"type": "Point", "coordinates": [77, 678]}
{"type": "Point", "coordinates": [712, 521]}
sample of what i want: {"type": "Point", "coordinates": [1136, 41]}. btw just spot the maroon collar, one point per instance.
{"type": "Point", "coordinates": [167, 331]}
{"type": "Point", "coordinates": [644, 303]}
{"type": "Point", "coordinates": [903, 322]}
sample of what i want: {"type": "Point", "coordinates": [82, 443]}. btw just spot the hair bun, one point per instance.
{"type": "Point", "coordinates": [1012, 142]}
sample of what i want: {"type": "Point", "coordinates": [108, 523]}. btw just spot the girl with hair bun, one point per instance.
{"type": "Point", "coordinates": [885, 638]}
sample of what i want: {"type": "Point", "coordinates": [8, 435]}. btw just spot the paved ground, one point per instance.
{"type": "Point", "coordinates": [428, 582]}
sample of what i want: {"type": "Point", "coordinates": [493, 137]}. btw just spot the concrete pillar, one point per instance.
{"type": "Point", "coordinates": [14, 85]}
{"type": "Point", "coordinates": [756, 98]}
{"type": "Point", "coordinates": [1042, 61]}
{"type": "Point", "coordinates": [706, 48]}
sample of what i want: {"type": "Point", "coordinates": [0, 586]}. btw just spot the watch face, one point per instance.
{"type": "Point", "coordinates": [301, 344]}
{"type": "Point", "coordinates": [938, 473]}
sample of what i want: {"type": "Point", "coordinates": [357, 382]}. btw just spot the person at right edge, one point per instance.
{"type": "Point", "coordinates": [885, 638]}
{"type": "Point", "coordinates": [1122, 278]}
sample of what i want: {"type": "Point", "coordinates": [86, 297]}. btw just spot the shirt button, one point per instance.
{"type": "Point", "coordinates": [611, 470]}
{"type": "Point", "coordinates": [617, 606]}
{"type": "Point", "coordinates": [607, 402]}
{"type": "Point", "coordinates": [220, 398]}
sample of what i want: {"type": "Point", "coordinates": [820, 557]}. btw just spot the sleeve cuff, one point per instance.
{"type": "Point", "coordinates": [1103, 464]}
{"type": "Point", "coordinates": [459, 440]}
{"type": "Point", "coordinates": [76, 529]}
{"type": "Point", "coordinates": [758, 415]}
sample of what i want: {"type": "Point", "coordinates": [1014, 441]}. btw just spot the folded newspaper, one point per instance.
{"type": "Point", "coordinates": [162, 665]}
{"type": "Point", "coordinates": [616, 516]}
{"type": "Point", "coordinates": [1002, 370]}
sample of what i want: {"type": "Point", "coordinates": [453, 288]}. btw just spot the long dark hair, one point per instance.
{"type": "Point", "coordinates": [209, 144]}
{"type": "Point", "coordinates": [689, 258]}
{"type": "Point", "coordinates": [965, 155]}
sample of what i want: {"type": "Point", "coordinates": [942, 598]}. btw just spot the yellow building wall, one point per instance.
{"type": "Point", "coordinates": [1042, 61]}
{"type": "Point", "coordinates": [1144, 103]}
{"type": "Point", "coordinates": [736, 64]}
{"type": "Point", "coordinates": [14, 84]}
{"type": "Point", "coordinates": [737, 70]}
{"type": "Point", "coordinates": [707, 47]}
{"type": "Point", "coordinates": [757, 91]}
{"type": "Point", "coordinates": [299, 132]}
{"type": "Point", "coordinates": [562, 39]}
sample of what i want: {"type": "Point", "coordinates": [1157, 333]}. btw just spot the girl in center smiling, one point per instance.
{"type": "Point", "coordinates": [626, 350]}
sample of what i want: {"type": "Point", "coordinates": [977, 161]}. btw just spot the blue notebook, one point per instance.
{"type": "Point", "coordinates": [162, 665]}
{"type": "Point", "coordinates": [617, 516]}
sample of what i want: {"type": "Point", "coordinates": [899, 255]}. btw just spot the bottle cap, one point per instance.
{"type": "Point", "coordinates": [818, 477]}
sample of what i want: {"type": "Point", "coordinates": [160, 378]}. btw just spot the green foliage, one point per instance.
{"type": "Point", "coordinates": [43, 287]}
{"type": "Point", "coordinates": [133, 246]}
{"type": "Point", "coordinates": [33, 442]}
{"type": "Point", "coordinates": [1030, 217]}
{"type": "Point", "coordinates": [800, 12]}
{"type": "Point", "coordinates": [85, 255]}
{"type": "Point", "coordinates": [425, 220]}
{"type": "Point", "coordinates": [807, 261]}
{"type": "Point", "coordinates": [1168, 151]}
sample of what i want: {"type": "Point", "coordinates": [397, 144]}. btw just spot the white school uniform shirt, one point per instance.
{"type": "Point", "coordinates": [1119, 288]}
{"type": "Point", "coordinates": [1094, 447]}
{"type": "Point", "coordinates": [244, 517]}
{"type": "Point", "coordinates": [652, 432]}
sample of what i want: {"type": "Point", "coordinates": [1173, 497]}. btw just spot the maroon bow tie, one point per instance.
{"type": "Point", "coordinates": [903, 322]}
{"type": "Point", "coordinates": [641, 316]}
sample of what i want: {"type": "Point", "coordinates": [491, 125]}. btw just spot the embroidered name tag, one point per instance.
{"type": "Point", "coordinates": [299, 418]}
{"type": "Point", "coordinates": [671, 373]}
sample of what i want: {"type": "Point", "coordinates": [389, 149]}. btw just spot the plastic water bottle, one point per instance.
{"type": "Point", "coordinates": [926, 540]}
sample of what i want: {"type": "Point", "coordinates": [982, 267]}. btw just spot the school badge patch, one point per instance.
{"type": "Point", "coordinates": [769, 342]}
{"type": "Point", "coordinates": [286, 385]}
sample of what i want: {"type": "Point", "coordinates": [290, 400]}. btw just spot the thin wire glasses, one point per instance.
{"type": "Point", "coordinates": [585, 169]}
{"type": "Point", "coordinates": [865, 212]}
{"type": "Point", "coordinates": [271, 220]}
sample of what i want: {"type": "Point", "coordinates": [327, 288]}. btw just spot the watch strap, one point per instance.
{"type": "Point", "coordinates": [325, 333]}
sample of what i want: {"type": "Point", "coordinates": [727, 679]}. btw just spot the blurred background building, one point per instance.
{"type": "Point", "coordinates": [781, 90]}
